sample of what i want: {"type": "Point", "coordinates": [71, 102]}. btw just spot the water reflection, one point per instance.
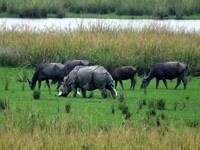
{"type": "Point", "coordinates": [70, 24]}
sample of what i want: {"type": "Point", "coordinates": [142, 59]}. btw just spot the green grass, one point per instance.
{"type": "Point", "coordinates": [90, 123]}
{"type": "Point", "coordinates": [97, 111]}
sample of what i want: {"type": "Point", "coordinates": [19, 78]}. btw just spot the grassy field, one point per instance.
{"type": "Point", "coordinates": [139, 119]}
{"type": "Point", "coordinates": [91, 122]}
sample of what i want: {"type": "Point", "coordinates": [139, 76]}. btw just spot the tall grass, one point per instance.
{"type": "Point", "coordinates": [28, 129]}
{"type": "Point", "coordinates": [121, 47]}
{"type": "Point", "coordinates": [159, 8]}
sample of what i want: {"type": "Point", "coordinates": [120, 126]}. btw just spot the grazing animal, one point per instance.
{"type": "Point", "coordinates": [167, 70]}
{"type": "Point", "coordinates": [124, 73]}
{"type": "Point", "coordinates": [88, 78]}
{"type": "Point", "coordinates": [47, 71]}
{"type": "Point", "coordinates": [71, 64]}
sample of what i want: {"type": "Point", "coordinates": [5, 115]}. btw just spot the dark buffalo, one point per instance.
{"type": "Point", "coordinates": [71, 64]}
{"type": "Point", "coordinates": [46, 71]}
{"type": "Point", "coordinates": [124, 73]}
{"type": "Point", "coordinates": [167, 70]}
{"type": "Point", "coordinates": [88, 78]}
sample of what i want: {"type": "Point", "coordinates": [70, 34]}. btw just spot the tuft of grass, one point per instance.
{"type": "Point", "coordinates": [6, 85]}
{"type": "Point", "coordinates": [68, 108]}
{"type": "Point", "coordinates": [113, 109]}
{"type": "Point", "coordinates": [4, 104]}
{"type": "Point", "coordinates": [175, 105]}
{"type": "Point", "coordinates": [161, 104]}
{"type": "Point", "coordinates": [36, 94]}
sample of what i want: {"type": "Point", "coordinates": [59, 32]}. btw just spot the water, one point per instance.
{"type": "Point", "coordinates": [70, 24]}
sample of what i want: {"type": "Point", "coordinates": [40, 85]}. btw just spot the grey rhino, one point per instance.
{"type": "Point", "coordinates": [88, 78]}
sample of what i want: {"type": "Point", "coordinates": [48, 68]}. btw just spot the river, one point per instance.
{"type": "Point", "coordinates": [71, 24]}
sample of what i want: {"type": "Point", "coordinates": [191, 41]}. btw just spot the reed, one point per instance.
{"type": "Point", "coordinates": [121, 47]}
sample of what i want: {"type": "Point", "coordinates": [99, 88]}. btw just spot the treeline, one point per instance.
{"type": "Point", "coordinates": [157, 8]}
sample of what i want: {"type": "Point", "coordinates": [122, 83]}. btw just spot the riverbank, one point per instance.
{"type": "Point", "coordinates": [103, 16]}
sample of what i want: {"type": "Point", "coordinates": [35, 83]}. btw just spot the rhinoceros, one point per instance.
{"type": "Point", "coordinates": [167, 70]}
{"type": "Point", "coordinates": [88, 78]}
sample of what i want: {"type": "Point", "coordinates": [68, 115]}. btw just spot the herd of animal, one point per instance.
{"type": "Point", "coordinates": [83, 74]}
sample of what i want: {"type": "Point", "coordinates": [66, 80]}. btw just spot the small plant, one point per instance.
{"type": "Point", "coordinates": [6, 88]}
{"type": "Point", "coordinates": [36, 94]}
{"type": "Point", "coordinates": [4, 104]}
{"type": "Point", "coordinates": [161, 104]}
{"type": "Point", "coordinates": [162, 116]}
{"type": "Point", "coordinates": [125, 109]}
{"type": "Point", "coordinates": [175, 105]}
{"type": "Point", "coordinates": [112, 109]}
{"type": "Point", "coordinates": [151, 112]}
{"type": "Point", "coordinates": [140, 104]}
{"type": "Point", "coordinates": [128, 115]}
{"type": "Point", "coordinates": [68, 108]}
{"type": "Point", "coordinates": [152, 104]}
{"type": "Point", "coordinates": [158, 121]}
{"type": "Point", "coordinates": [121, 97]}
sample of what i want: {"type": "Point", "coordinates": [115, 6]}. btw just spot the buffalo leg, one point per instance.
{"type": "Point", "coordinates": [116, 83]}
{"type": "Point", "coordinates": [83, 93]}
{"type": "Point", "coordinates": [184, 83]}
{"type": "Point", "coordinates": [47, 82]}
{"type": "Point", "coordinates": [103, 93]}
{"type": "Point", "coordinates": [133, 83]}
{"type": "Point", "coordinates": [59, 84]}
{"type": "Point", "coordinates": [157, 83]}
{"type": "Point", "coordinates": [121, 83]}
{"type": "Point", "coordinates": [165, 83]}
{"type": "Point", "coordinates": [178, 82]}
{"type": "Point", "coordinates": [39, 84]}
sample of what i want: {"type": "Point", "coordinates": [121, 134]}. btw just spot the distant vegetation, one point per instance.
{"type": "Point", "coordinates": [157, 8]}
{"type": "Point", "coordinates": [121, 47]}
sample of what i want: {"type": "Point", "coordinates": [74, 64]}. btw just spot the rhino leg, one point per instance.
{"type": "Point", "coordinates": [133, 83]}
{"type": "Point", "coordinates": [74, 89]}
{"type": "Point", "coordinates": [47, 82]}
{"type": "Point", "coordinates": [83, 93]}
{"type": "Point", "coordinates": [103, 92]}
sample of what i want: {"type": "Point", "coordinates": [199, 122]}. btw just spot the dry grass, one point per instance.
{"type": "Point", "coordinates": [122, 47]}
{"type": "Point", "coordinates": [96, 138]}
